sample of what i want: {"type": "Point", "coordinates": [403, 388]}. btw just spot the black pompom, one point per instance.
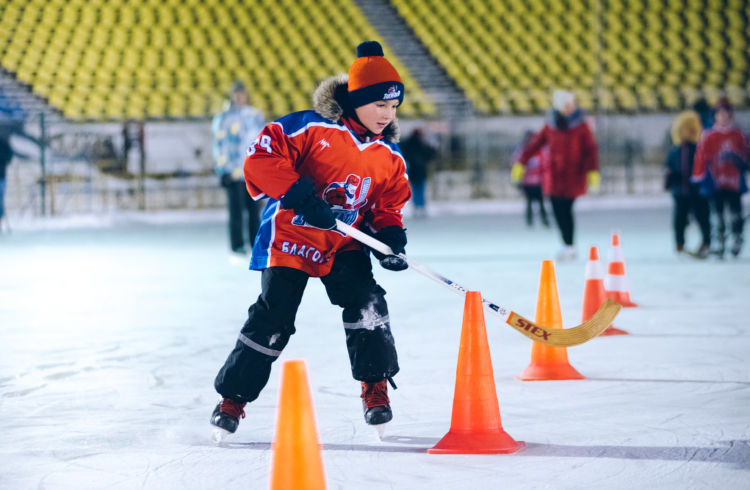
{"type": "Point", "coordinates": [369, 48]}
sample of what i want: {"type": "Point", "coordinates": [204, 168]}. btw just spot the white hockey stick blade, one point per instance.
{"type": "Point", "coordinates": [560, 337]}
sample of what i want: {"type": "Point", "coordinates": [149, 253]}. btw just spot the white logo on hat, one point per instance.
{"type": "Point", "coordinates": [392, 93]}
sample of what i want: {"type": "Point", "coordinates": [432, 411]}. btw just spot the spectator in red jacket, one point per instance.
{"type": "Point", "coordinates": [720, 163]}
{"type": "Point", "coordinates": [573, 163]}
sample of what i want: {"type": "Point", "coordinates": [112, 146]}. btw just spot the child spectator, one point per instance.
{"type": "Point", "coordinates": [530, 179]}
{"type": "Point", "coordinates": [720, 164]}
{"type": "Point", "coordinates": [686, 131]}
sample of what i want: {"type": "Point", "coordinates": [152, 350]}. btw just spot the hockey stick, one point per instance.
{"type": "Point", "coordinates": [565, 337]}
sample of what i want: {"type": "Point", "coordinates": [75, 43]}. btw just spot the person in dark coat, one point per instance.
{"type": "Point", "coordinates": [705, 112]}
{"type": "Point", "coordinates": [7, 129]}
{"type": "Point", "coordinates": [6, 155]}
{"type": "Point", "coordinates": [573, 163]}
{"type": "Point", "coordinates": [686, 132]}
{"type": "Point", "coordinates": [418, 154]}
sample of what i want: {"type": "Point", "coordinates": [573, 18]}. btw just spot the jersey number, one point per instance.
{"type": "Point", "coordinates": [265, 143]}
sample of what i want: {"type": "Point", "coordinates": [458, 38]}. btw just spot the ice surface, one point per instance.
{"type": "Point", "coordinates": [110, 337]}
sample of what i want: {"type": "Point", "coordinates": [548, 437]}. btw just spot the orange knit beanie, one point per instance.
{"type": "Point", "coordinates": [372, 77]}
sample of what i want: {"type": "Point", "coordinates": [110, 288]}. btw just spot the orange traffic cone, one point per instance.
{"type": "Point", "coordinates": [297, 462]}
{"type": "Point", "coordinates": [593, 291]}
{"type": "Point", "coordinates": [616, 283]}
{"type": "Point", "coordinates": [476, 427]}
{"type": "Point", "coordinates": [547, 361]}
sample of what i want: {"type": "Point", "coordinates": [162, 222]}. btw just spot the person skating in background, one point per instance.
{"type": "Point", "coordinates": [705, 112]}
{"type": "Point", "coordinates": [529, 179]}
{"type": "Point", "coordinates": [720, 164]}
{"type": "Point", "coordinates": [418, 154]}
{"type": "Point", "coordinates": [6, 156]}
{"type": "Point", "coordinates": [573, 163]}
{"type": "Point", "coordinates": [233, 131]}
{"type": "Point", "coordinates": [340, 161]}
{"type": "Point", "coordinates": [11, 123]}
{"type": "Point", "coordinates": [686, 132]}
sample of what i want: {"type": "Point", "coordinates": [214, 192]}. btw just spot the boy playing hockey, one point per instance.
{"type": "Point", "coordinates": [339, 161]}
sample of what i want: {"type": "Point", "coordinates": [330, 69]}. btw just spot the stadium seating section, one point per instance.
{"type": "Point", "coordinates": [629, 55]}
{"type": "Point", "coordinates": [109, 59]}
{"type": "Point", "coordinates": [112, 59]}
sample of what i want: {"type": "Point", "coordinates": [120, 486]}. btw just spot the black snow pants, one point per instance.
{"type": "Point", "coordinates": [683, 207]}
{"type": "Point", "coordinates": [244, 216]}
{"type": "Point", "coordinates": [270, 324]}
{"type": "Point", "coordinates": [533, 194]}
{"type": "Point", "coordinates": [725, 198]}
{"type": "Point", "coordinates": [562, 208]}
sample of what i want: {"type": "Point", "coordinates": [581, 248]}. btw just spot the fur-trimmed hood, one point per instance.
{"type": "Point", "coordinates": [330, 101]}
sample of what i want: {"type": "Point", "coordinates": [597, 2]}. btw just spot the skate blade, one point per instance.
{"type": "Point", "coordinates": [380, 430]}
{"type": "Point", "coordinates": [219, 435]}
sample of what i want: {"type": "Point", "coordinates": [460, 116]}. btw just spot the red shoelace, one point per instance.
{"type": "Point", "coordinates": [230, 407]}
{"type": "Point", "coordinates": [375, 394]}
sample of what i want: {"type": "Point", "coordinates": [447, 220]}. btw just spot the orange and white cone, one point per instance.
{"type": "Point", "coordinates": [593, 291]}
{"type": "Point", "coordinates": [548, 362]}
{"type": "Point", "coordinates": [616, 282]}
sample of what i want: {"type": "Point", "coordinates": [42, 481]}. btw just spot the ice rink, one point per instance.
{"type": "Point", "coordinates": [112, 330]}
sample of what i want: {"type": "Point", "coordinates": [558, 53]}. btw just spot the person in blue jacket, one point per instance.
{"type": "Point", "coordinates": [686, 132]}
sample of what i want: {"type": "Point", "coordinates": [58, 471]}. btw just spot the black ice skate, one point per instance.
{"type": "Point", "coordinates": [226, 417]}
{"type": "Point", "coordinates": [702, 253]}
{"type": "Point", "coordinates": [721, 248]}
{"type": "Point", "coordinates": [375, 403]}
{"type": "Point", "coordinates": [737, 247]}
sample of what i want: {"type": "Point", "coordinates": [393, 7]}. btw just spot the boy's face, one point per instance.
{"type": "Point", "coordinates": [722, 117]}
{"type": "Point", "coordinates": [375, 116]}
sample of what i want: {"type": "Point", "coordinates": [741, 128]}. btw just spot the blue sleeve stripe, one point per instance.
{"type": "Point", "coordinates": [266, 233]}
{"type": "Point", "coordinates": [298, 122]}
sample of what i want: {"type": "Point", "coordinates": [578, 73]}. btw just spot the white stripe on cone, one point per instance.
{"type": "Point", "coordinates": [616, 283]}
{"type": "Point", "coordinates": [594, 270]}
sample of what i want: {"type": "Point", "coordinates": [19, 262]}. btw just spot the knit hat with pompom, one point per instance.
{"type": "Point", "coordinates": [372, 77]}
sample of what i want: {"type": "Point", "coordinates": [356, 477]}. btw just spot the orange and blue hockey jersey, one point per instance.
{"type": "Point", "coordinates": [356, 177]}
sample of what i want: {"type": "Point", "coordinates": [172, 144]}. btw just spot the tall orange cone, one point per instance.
{"type": "Point", "coordinates": [476, 427]}
{"type": "Point", "coordinates": [547, 361]}
{"type": "Point", "coordinates": [616, 283]}
{"type": "Point", "coordinates": [593, 291]}
{"type": "Point", "coordinates": [297, 463]}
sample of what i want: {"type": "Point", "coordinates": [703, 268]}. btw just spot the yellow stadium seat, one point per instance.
{"type": "Point", "coordinates": [651, 57]}
{"type": "Point", "coordinates": [164, 50]}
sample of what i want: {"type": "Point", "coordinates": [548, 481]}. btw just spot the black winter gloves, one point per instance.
{"type": "Point", "coordinates": [395, 237]}
{"type": "Point", "coordinates": [301, 197]}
